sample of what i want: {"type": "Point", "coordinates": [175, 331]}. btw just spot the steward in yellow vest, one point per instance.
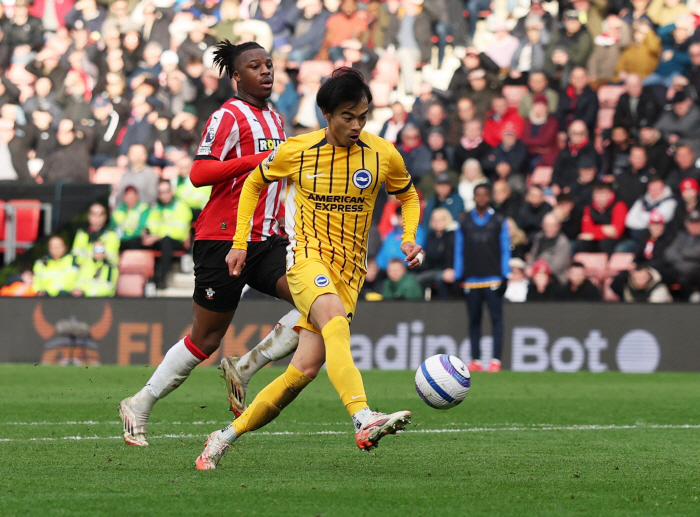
{"type": "Point", "coordinates": [96, 232]}
{"type": "Point", "coordinates": [194, 197]}
{"type": "Point", "coordinates": [167, 229]}
{"type": "Point", "coordinates": [56, 273]}
{"type": "Point", "coordinates": [97, 277]}
{"type": "Point", "coordinates": [129, 220]}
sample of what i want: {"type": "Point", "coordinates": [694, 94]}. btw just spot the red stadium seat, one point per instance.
{"type": "Point", "coordinates": [618, 262]}
{"type": "Point", "coordinates": [108, 176]}
{"type": "Point", "coordinates": [605, 119]}
{"type": "Point", "coordinates": [514, 94]}
{"type": "Point", "coordinates": [608, 294]}
{"type": "Point", "coordinates": [380, 93]}
{"type": "Point", "coordinates": [387, 71]}
{"type": "Point", "coordinates": [130, 284]}
{"type": "Point", "coordinates": [609, 95]}
{"type": "Point", "coordinates": [321, 68]}
{"type": "Point", "coordinates": [141, 262]}
{"type": "Point", "coordinates": [594, 264]}
{"type": "Point", "coordinates": [27, 216]}
{"type": "Point", "coordinates": [169, 172]}
{"type": "Point", "coordinates": [2, 224]}
{"type": "Point", "coordinates": [541, 176]}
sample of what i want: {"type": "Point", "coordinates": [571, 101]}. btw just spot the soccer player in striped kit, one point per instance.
{"type": "Point", "coordinates": [335, 174]}
{"type": "Point", "coordinates": [237, 138]}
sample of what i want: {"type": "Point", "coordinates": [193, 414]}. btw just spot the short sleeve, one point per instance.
{"type": "Point", "coordinates": [220, 135]}
{"type": "Point", "coordinates": [398, 180]}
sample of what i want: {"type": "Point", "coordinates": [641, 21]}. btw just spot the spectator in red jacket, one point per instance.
{"type": "Point", "coordinates": [497, 117]}
{"type": "Point", "coordinates": [540, 133]}
{"type": "Point", "coordinates": [603, 222]}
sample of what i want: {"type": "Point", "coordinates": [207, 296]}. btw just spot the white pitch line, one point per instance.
{"type": "Point", "coordinates": [534, 427]}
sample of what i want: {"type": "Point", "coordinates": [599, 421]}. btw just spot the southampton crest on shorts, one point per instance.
{"type": "Point", "coordinates": [210, 293]}
{"type": "Point", "coordinates": [362, 178]}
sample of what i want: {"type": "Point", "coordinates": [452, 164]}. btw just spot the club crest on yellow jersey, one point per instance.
{"type": "Point", "coordinates": [362, 178]}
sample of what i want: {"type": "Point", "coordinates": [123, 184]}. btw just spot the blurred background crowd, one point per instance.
{"type": "Point", "coordinates": [582, 115]}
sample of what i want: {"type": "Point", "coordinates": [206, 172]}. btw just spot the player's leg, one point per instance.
{"type": "Point", "coordinates": [474, 299]}
{"type": "Point", "coordinates": [208, 329]}
{"type": "Point", "coordinates": [269, 277]}
{"type": "Point", "coordinates": [215, 299]}
{"type": "Point", "coordinates": [494, 302]}
{"type": "Point", "coordinates": [277, 395]}
{"type": "Point", "coordinates": [329, 313]}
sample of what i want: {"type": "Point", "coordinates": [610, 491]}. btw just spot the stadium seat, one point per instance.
{"type": "Point", "coordinates": [380, 93]}
{"type": "Point", "coordinates": [541, 176]}
{"type": "Point", "coordinates": [594, 264]}
{"type": "Point", "coordinates": [108, 176]}
{"type": "Point", "coordinates": [608, 294]}
{"type": "Point", "coordinates": [322, 68]}
{"type": "Point", "coordinates": [514, 94]}
{"type": "Point", "coordinates": [2, 224]}
{"type": "Point", "coordinates": [618, 262]}
{"type": "Point", "coordinates": [169, 172]}
{"type": "Point", "coordinates": [605, 119]}
{"type": "Point", "coordinates": [387, 71]}
{"type": "Point", "coordinates": [27, 216]}
{"type": "Point", "coordinates": [130, 284]}
{"type": "Point", "coordinates": [141, 262]}
{"type": "Point", "coordinates": [609, 95]}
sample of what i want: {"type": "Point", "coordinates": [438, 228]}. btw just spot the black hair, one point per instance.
{"type": "Point", "coordinates": [599, 184]}
{"type": "Point", "coordinates": [343, 85]}
{"type": "Point", "coordinates": [486, 186]}
{"type": "Point", "coordinates": [577, 264]}
{"type": "Point", "coordinates": [227, 53]}
{"type": "Point", "coordinates": [564, 197]}
{"type": "Point", "coordinates": [163, 180]}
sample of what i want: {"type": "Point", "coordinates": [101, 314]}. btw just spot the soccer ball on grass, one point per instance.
{"type": "Point", "coordinates": [442, 381]}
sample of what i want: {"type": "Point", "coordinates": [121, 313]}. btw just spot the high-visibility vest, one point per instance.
{"type": "Point", "coordinates": [194, 197]}
{"type": "Point", "coordinates": [171, 221]}
{"type": "Point", "coordinates": [54, 276]}
{"type": "Point", "coordinates": [129, 223]}
{"type": "Point", "coordinates": [97, 278]}
{"type": "Point", "coordinates": [83, 248]}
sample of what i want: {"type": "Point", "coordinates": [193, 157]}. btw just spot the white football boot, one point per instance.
{"type": "Point", "coordinates": [235, 384]}
{"type": "Point", "coordinates": [134, 427]}
{"type": "Point", "coordinates": [379, 425]}
{"type": "Point", "coordinates": [214, 449]}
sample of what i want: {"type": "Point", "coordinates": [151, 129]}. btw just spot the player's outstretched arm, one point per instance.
{"type": "Point", "coordinates": [250, 194]}
{"type": "Point", "coordinates": [410, 210]}
{"type": "Point", "coordinates": [212, 171]}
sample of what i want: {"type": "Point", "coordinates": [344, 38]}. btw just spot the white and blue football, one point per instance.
{"type": "Point", "coordinates": [442, 381]}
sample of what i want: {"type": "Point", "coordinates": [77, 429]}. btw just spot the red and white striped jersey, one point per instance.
{"type": "Point", "coordinates": [240, 129]}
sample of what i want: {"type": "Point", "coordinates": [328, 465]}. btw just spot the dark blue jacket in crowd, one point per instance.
{"type": "Point", "coordinates": [482, 248]}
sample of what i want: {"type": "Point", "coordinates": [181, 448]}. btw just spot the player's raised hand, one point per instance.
{"type": "Point", "coordinates": [414, 254]}
{"type": "Point", "coordinates": [236, 261]}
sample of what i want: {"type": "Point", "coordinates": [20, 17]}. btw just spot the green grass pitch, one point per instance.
{"type": "Point", "coordinates": [520, 444]}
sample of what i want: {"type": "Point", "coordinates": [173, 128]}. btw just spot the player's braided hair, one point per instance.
{"type": "Point", "coordinates": [227, 53]}
{"type": "Point", "coordinates": [343, 85]}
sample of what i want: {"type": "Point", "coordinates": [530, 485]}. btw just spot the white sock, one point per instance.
{"type": "Point", "coordinates": [359, 418]}
{"type": "Point", "coordinates": [278, 344]}
{"type": "Point", "coordinates": [171, 373]}
{"type": "Point", "coordinates": [228, 434]}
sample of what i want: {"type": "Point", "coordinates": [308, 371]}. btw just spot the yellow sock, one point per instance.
{"type": "Point", "coordinates": [271, 400]}
{"type": "Point", "coordinates": [342, 371]}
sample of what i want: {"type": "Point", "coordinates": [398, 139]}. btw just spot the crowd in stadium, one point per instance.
{"type": "Point", "coordinates": [583, 116]}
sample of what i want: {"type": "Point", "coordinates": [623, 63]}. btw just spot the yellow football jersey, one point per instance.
{"type": "Point", "coordinates": [331, 197]}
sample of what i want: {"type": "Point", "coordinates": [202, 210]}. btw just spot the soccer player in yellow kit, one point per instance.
{"type": "Point", "coordinates": [335, 175]}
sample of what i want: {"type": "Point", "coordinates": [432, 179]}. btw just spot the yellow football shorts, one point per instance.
{"type": "Point", "coordinates": [309, 279]}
